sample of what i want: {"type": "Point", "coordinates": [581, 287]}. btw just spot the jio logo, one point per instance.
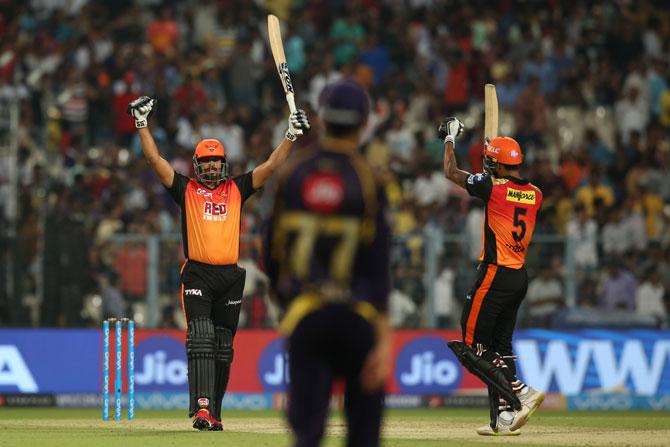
{"type": "Point", "coordinates": [273, 367]}
{"type": "Point", "coordinates": [427, 366]}
{"type": "Point", "coordinates": [161, 364]}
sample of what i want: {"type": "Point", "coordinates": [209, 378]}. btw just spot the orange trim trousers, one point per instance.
{"type": "Point", "coordinates": [491, 307]}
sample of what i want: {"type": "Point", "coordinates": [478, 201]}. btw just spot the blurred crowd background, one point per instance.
{"type": "Point", "coordinates": [89, 232]}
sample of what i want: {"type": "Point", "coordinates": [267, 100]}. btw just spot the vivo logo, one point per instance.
{"type": "Point", "coordinates": [14, 372]}
{"type": "Point", "coordinates": [572, 368]}
{"type": "Point", "coordinates": [427, 366]}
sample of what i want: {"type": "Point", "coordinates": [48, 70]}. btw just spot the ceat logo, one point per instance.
{"type": "Point", "coordinates": [427, 366]}
{"type": "Point", "coordinates": [273, 367]}
{"type": "Point", "coordinates": [161, 364]}
{"type": "Point", "coordinates": [323, 192]}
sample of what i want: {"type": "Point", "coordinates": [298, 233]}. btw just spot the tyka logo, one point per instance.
{"type": "Point", "coordinates": [273, 366]}
{"type": "Point", "coordinates": [161, 364]}
{"type": "Point", "coordinates": [196, 292]}
{"type": "Point", "coordinates": [426, 366]}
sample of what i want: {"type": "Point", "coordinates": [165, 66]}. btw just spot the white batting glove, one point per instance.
{"type": "Point", "coordinates": [298, 124]}
{"type": "Point", "coordinates": [449, 129]}
{"type": "Point", "coordinates": [140, 109]}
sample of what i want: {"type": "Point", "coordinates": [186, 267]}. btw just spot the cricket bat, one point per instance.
{"type": "Point", "coordinates": [277, 47]}
{"type": "Point", "coordinates": [490, 112]}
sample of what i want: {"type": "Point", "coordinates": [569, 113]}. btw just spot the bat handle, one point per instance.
{"type": "Point", "coordinates": [291, 102]}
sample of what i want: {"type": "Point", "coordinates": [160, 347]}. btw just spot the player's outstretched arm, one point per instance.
{"type": "Point", "coordinates": [449, 129]}
{"type": "Point", "coordinates": [298, 124]}
{"type": "Point", "coordinates": [140, 109]}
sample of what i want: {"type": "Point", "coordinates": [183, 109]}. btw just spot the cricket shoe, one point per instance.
{"type": "Point", "coordinates": [215, 425]}
{"type": "Point", "coordinates": [203, 420]}
{"type": "Point", "coordinates": [530, 401]}
{"type": "Point", "coordinates": [503, 426]}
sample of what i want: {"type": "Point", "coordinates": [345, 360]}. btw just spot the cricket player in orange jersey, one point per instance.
{"type": "Point", "coordinates": [490, 310]}
{"type": "Point", "coordinates": [212, 283]}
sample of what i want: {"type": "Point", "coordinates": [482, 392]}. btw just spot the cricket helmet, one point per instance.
{"type": "Point", "coordinates": [210, 148]}
{"type": "Point", "coordinates": [502, 150]}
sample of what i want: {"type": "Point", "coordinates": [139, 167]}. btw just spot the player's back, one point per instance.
{"type": "Point", "coordinates": [511, 207]}
{"type": "Point", "coordinates": [328, 234]}
{"type": "Point", "coordinates": [510, 216]}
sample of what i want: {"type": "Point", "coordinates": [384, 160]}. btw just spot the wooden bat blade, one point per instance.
{"type": "Point", "coordinates": [277, 48]}
{"type": "Point", "coordinates": [276, 44]}
{"type": "Point", "coordinates": [490, 112]}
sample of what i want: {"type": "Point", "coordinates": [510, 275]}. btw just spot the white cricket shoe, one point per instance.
{"type": "Point", "coordinates": [530, 401]}
{"type": "Point", "coordinates": [503, 427]}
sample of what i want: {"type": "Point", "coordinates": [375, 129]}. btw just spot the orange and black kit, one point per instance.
{"type": "Point", "coordinates": [489, 313]}
{"type": "Point", "coordinates": [212, 283]}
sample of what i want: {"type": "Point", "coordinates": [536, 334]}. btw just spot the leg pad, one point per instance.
{"type": "Point", "coordinates": [200, 353]}
{"type": "Point", "coordinates": [490, 374]}
{"type": "Point", "coordinates": [223, 356]}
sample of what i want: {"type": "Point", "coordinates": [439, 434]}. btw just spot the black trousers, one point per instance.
{"type": "Point", "coordinates": [491, 307]}
{"type": "Point", "coordinates": [331, 342]}
{"type": "Point", "coordinates": [213, 291]}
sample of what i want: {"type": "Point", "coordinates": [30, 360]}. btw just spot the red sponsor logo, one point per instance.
{"type": "Point", "coordinates": [215, 211]}
{"type": "Point", "coordinates": [323, 192]}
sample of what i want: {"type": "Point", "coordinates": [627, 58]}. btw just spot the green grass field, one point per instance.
{"type": "Point", "coordinates": [402, 428]}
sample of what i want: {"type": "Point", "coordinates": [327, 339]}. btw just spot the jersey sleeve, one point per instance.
{"type": "Point", "coordinates": [178, 189]}
{"type": "Point", "coordinates": [245, 184]}
{"type": "Point", "coordinates": [480, 186]}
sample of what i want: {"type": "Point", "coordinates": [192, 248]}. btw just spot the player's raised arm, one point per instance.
{"type": "Point", "coordinates": [449, 129]}
{"type": "Point", "coordinates": [298, 124]}
{"type": "Point", "coordinates": [140, 109]}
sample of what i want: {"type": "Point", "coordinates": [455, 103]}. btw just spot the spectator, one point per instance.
{"type": "Point", "coordinates": [618, 289]}
{"type": "Point", "coordinates": [163, 32]}
{"type": "Point", "coordinates": [632, 113]}
{"type": "Point", "coordinates": [615, 238]}
{"type": "Point", "coordinates": [649, 298]}
{"type": "Point", "coordinates": [544, 298]}
{"type": "Point", "coordinates": [113, 303]}
{"type": "Point", "coordinates": [594, 189]}
{"type": "Point", "coordinates": [582, 232]}
{"type": "Point", "coordinates": [445, 303]}
{"type": "Point", "coordinates": [401, 308]}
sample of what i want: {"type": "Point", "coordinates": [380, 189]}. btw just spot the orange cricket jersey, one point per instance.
{"type": "Point", "coordinates": [211, 218]}
{"type": "Point", "coordinates": [509, 221]}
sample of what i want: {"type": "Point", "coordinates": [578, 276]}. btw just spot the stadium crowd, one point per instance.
{"type": "Point", "coordinates": [583, 86]}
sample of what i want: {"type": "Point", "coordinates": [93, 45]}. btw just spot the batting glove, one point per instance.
{"type": "Point", "coordinates": [449, 129]}
{"type": "Point", "coordinates": [298, 124]}
{"type": "Point", "coordinates": [140, 109]}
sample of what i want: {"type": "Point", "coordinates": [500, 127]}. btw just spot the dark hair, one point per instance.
{"type": "Point", "coordinates": [339, 130]}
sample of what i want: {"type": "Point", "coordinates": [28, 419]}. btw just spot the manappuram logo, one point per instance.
{"type": "Point", "coordinates": [515, 195]}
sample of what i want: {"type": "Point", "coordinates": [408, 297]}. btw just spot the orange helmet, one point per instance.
{"type": "Point", "coordinates": [210, 147]}
{"type": "Point", "coordinates": [501, 151]}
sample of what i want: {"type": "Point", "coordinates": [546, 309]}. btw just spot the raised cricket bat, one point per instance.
{"type": "Point", "coordinates": [277, 47]}
{"type": "Point", "coordinates": [490, 112]}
